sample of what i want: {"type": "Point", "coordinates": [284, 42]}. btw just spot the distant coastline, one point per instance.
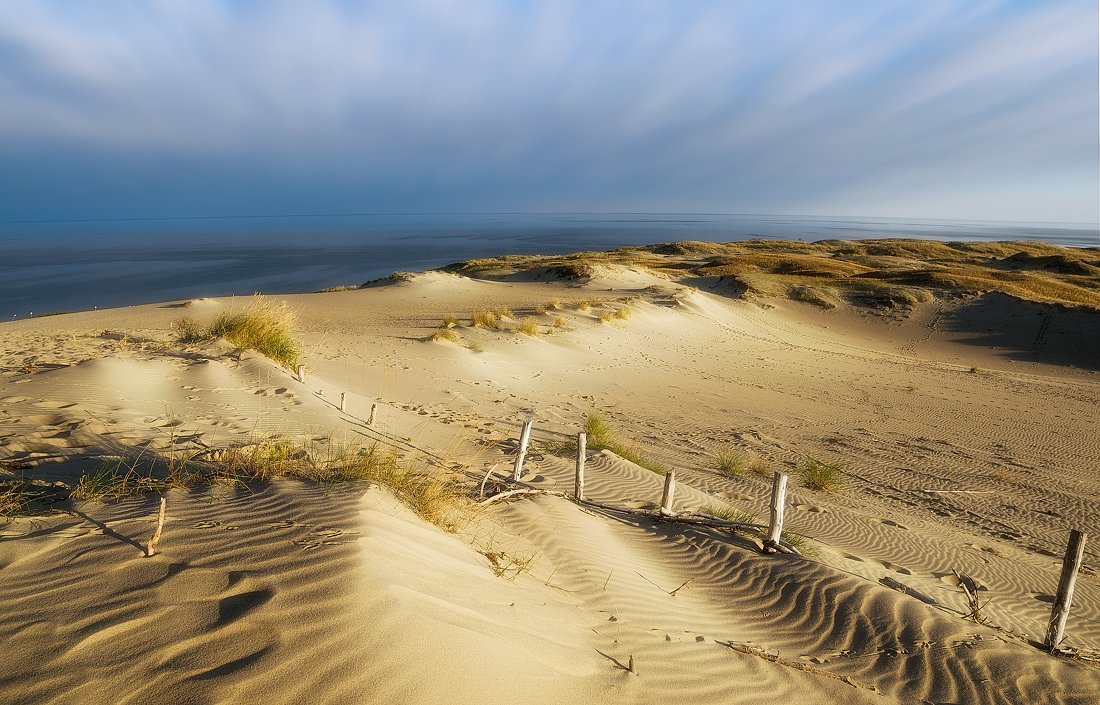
{"type": "Point", "coordinates": [51, 267]}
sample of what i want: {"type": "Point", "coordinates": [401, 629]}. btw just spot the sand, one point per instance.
{"type": "Point", "coordinates": [966, 428]}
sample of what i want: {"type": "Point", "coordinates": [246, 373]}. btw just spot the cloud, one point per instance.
{"type": "Point", "coordinates": [184, 107]}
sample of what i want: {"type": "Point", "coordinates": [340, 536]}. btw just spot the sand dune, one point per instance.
{"type": "Point", "coordinates": [965, 427]}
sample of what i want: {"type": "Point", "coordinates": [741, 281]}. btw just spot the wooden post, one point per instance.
{"type": "Point", "coordinates": [578, 483]}
{"type": "Point", "coordinates": [1075, 551]}
{"type": "Point", "coordinates": [666, 494]}
{"type": "Point", "coordinates": [302, 374]}
{"type": "Point", "coordinates": [343, 401]}
{"type": "Point", "coordinates": [373, 409]}
{"type": "Point", "coordinates": [524, 437]}
{"type": "Point", "coordinates": [779, 501]}
{"type": "Point", "coordinates": [160, 527]}
{"type": "Point", "coordinates": [630, 665]}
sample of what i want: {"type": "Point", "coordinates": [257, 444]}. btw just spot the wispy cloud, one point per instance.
{"type": "Point", "coordinates": [940, 109]}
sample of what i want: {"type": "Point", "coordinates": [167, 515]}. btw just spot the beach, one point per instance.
{"type": "Point", "coordinates": [950, 391]}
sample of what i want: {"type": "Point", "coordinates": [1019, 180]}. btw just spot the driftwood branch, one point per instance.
{"type": "Point", "coordinates": [152, 549]}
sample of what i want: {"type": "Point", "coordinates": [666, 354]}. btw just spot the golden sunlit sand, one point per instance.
{"type": "Point", "coordinates": [950, 390]}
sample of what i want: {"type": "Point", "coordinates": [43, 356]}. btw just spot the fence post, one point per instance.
{"type": "Point", "coordinates": [578, 483]}
{"type": "Point", "coordinates": [778, 502]}
{"type": "Point", "coordinates": [343, 401]}
{"type": "Point", "coordinates": [524, 436]}
{"type": "Point", "coordinates": [373, 409]}
{"type": "Point", "coordinates": [1075, 551]}
{"type": "Point", "coordinates": [667, 493]}
{"type": "Point", "coordinates": [302, 374]}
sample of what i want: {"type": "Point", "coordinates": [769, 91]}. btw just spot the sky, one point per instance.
{"type": "Point", "coordinates": [950, 110]}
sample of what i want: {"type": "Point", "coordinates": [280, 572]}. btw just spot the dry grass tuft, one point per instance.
{"type": "Point", "coordinates": [264, 326]}
{"type": "Point", "coordinates": [528, 326]}
{"type": "Point", "coordinates": [540, 309]}
{"type": "Point", "coordinates": [447, 334]}
{"type": "Point", "coordinates": [623, 313]}
{"type": "Point", "coordinates": [449, 321]}
{"type": "Point", "coordinates": [607, 317]}
{"type": "Point", "coordinates": [504, 312]}
{"type": "Point", "coordinates": [584, 306]}
{"type": "Point", "coordinates": [554, 304]}
{"type": "Point", "coordinates": [485, 319]}
{"type": "Point", "coordinates": [265, 459]}
{"type": "Point", "coordinates": [558, 322]}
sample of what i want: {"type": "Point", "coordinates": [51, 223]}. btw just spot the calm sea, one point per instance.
{"type": "Point", "coordinates": [50, 267]}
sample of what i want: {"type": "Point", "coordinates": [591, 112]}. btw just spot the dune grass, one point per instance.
{"type": "Point", "coordinates": [820, 475]}
{"type": "Point", "coordinates": [449, 321]}
{"type": "Point", "coordinates": [623, 313]}
{"type": "Point", "coordinates": [727, 513]}
{"type": "Point", "coordinates": [269, 458]}
{"type": "Point", "coordinates": [529, 326]}
{"type": "Point", "coordinates": [263, 325]}
{"type": "Point", "coordinates": [584, 306]}
{"type": "Point", "coordinates": [447, 334]}
{"type": "Point", "coordinates": [13, 497]}
{"type": "Point", "coordinates": [484, 319]}
{"type": "Point", "coordinates": [558, 322]}
{"type": "Point", "coordinates": [553, 304]}
{"type": "Point", "coordinates": [602, 435]}
{"type": "Point", "coordinates": [730, 462]}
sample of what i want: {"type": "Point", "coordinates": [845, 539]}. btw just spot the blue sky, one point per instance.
{"type": "Point", "coordinates": [954, 110]}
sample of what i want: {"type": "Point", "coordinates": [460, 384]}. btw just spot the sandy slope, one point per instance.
{"type": "Point", "coordinates": [291, 594]}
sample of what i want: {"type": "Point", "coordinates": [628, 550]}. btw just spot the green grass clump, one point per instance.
{"type": "Point", "coordinates": [727, 513]}
{"type": "Point", "coordinates": [820, 475]}
{"type": "Point", "coordinates": [729, 462]}
{"type": "Point", "coordinates": [485, 319]}
{"type": "Point", "coordinates": [601, 434]}
{"type": "Point", "coordinates": [264, 326]}
{"type": "Point", "coordinates": [528, 326]}
{"type": "Point", "coordinates": [116, 479]}
{"type": "Point", "coordinates": [445, 334]}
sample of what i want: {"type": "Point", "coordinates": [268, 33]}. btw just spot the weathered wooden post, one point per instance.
{"type": "Point", "coordinates": [302, 374]}
{"type": "Point", "coordinates": [1075, 551]}
{"type": "Point", "coordinates": [578, 483]}
{"type": "Point", "coordinates": [667, 493]}
{"type": "Point", "coordinates": [343, 401]}
{"type": "Point", "coordinates": [524, 437]}
{"type": "Point", "coordinates": [778, 502]}
{"type": "Point", "coordinates": [373, 409]}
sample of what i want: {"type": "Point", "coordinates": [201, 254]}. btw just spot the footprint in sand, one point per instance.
{"type": "Point", "coordinates": [890, 522]}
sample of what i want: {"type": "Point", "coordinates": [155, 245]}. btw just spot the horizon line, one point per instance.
{"type": "Point", "coordinates": [259, 216]}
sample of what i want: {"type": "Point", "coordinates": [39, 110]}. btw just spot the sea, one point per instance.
{"type": "Point", "coordinates": [49, 267]}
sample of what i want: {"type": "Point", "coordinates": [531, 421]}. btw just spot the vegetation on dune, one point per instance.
{"type": "Point", "coordinates": [528, 326]}
{"type": "Point", "coordinates": [270, 458]}
{"type": "Point", "coordinates": [263, 325]}
{"type": "Point", "coordinates": [820, 475]}
{"type": "Point", "coordinates": [888, 273]}
{"type": "Point", "coordinates": [484, 319]}
{"type": "Point", "coordinates": [446, 334]}
{"type": "Point", "coordinates": [600, 434]}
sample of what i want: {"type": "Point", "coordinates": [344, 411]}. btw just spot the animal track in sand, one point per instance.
{"type": "Point", "coordinates": [13, 400]}
{"type": "Point", "coordinates": [812, 508]}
